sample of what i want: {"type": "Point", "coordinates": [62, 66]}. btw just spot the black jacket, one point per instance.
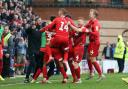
{"type": "Point", "coordinates": [105, 51]}
{"type": "Point", "coordinates": [34, 40]}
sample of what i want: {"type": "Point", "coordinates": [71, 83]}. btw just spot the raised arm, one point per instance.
{"type": "Point", "coordinates": [48, 27]}
{"type": "Point", "coordinates": [82, 29]}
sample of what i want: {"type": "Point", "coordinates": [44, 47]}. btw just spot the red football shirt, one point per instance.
{"type": "Point", "coordinates": [94, 27]}
{"type": "Point", "coordinates": [60, 26]}
{"type": "Point", "coordinates": [79, 38]}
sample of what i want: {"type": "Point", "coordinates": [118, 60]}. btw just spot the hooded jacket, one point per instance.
{"type": "Point", "coordinates": [120, 48]}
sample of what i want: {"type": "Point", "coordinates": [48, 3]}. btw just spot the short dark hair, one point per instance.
{"type": "Point", "coordinates": [52, 17]}
{"type": "Point", "coordinates": [69, 16]}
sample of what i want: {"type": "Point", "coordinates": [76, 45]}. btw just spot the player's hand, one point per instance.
{"type": "Point", "coordinates": [7, 55]}
{"type": "Point", "coordinates": [87, 30]}
{"type": "Point", "coordinates": [42, 30]}
{"type": "Point", "coordinates": [64, 61]}
{"type": "Point", "coordinates": [69, 23]}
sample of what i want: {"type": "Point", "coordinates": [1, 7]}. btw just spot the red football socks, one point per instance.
{"type": "Point", "coordinates": [37, 74]}
{"type": "Point", "coordinates": [72, 71]}
{"type": "Point", "coordinates": [77, 71]}
{"type": "Point", "coordinates": [97, 67]}
{"type": "Point", "coordinates": [44, 70]}
{"type": "Point", "coordinates": [90, 66]}
{"type": "Point", "coordinates": [65, 56]}
{"type": "Point", "coordinates": [63, 72]}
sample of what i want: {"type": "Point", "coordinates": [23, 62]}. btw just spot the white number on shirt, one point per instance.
{"type": "Point", "coordinates": [63, 27]}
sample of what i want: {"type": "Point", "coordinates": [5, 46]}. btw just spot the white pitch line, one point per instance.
{"type": "Point", "coordinates": [11, 84]}
{"type": "Point", "coordinates": [24, 83]}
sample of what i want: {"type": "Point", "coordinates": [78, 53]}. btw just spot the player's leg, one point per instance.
{"type": "Point", "coordinates": [78, 55]}
{"type": "Point", "coordinates": [1, 62]}
{"type": "Point", "coordinates": [89, 61]}
{"type": "Point", "coordinates": [63, 72]}
{"type": "Point", "coordinates": [51, 69]}
{"type": "Point", "coordinates": [59, 60]}
{"type": "Point", "coordinates": [46, 61]}
{"type": "Point", "coordinates": [39, 64]}
{"type": "Point", "coordinates": [90, 66]}
{"type": "Point", "coordinates": [96, 65]}
{"type": "Point", "coordinates": [71, 66]}
{"type": "Point", "coordinates": [70, 62]}
{"type": "Point", "coordinates": [93, 53]}
{"type": "Point", "coordinates": [30, 67]}
{"type": "Point", "coordinates": [44, 68]}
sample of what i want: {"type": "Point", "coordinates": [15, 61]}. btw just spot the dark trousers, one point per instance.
{"type": "Point", "coordinates": [6, 67]}
{"type": "Point", "coordinates": [121, 65]}
{"type": "Point", "coordinates": [51, 69]}
{"type": "Point", "coordinates": [32, 63]}
{"type": "Point", "coordinates": [39, 62]}
{"type": "Point", "coordinates": [39, 65]}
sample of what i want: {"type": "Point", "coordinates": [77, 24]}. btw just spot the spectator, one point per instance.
{"type": "Point", "coordinates": [8, 51]}
{"type": "Point", "coordinates": [34, 42]}
{"type": "Point", "coordinates": [126, 55]}
{"type": "Point", "coordinates": [19, 17]}
{"type": "Point", "coordinates": [21, 56]}
{"type": "Point", "coordinates": [119, 53]}
{"type": "Point", "coordinates": [107, 51]}
{"type": "Point", "coordinates": [113, 50]}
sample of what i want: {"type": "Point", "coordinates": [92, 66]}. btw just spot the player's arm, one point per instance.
{"type": "Point", "coordinates": [82, 29]}
{"type": "Point", "coordinates": [96, 30]}
{"type": "Point", "coordinates": [88, 24]}
{"type": "Point", "coordinates": [48, 27]}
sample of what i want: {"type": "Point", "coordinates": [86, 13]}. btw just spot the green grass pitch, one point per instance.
{"type": "Point", "coordinates": [112, 81]}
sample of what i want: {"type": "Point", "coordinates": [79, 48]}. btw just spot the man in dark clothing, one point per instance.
{"type": "Point", "coordinates": [34, 41]}
{"type": "Point", "coordinates": [107, 52]}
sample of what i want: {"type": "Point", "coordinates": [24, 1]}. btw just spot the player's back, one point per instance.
{"type": "Point", "coordinates": [61, 27]}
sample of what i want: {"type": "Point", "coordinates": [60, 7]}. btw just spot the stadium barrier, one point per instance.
{"type": "Point", "coordinates": [105, 64]}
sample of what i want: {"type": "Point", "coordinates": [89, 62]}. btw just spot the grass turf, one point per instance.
{"type": "Point", "coordinates": [112, 81]}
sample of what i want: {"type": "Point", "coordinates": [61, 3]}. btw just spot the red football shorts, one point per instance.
{"type": "Point", "coordinates": [60, 42]}
{"type": "Point", "coordinates": [1, 52]}
{"type": "Point", "coordinates": [46, 58]}
{"type": "Point", "coordinates": [93, 49]}
{"type": "Point", "coordinates": [56, 53]}
{"type": "Point", "coordinates": [78, 53]}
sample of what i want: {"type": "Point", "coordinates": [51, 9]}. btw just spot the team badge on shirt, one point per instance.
{"type": "Point", "coordinates": [91, 52]}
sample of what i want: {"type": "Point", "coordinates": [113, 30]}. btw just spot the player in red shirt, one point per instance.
{"type": "Point", "coordinates": [71, 51]}
{"type": "Point", "coordinates": [93, 47]}
{"type": "Point", "coordinates": [79, 41]}
{"type": "Point", "coordinates": [61, 38]}
{"type": "Point", "coordinates": [94, 37]}
{"type": "Point", "coordinates": [1, 51]}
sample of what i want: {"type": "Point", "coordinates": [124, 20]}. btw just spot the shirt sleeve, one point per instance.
{"type": "Point", "coordinates": [95, 30]}
{"type": "Point", "coordinates": [88, 24]}
{"type": "Point", "coordinates": [84, 29]}
{"type": "Point", "coordinates": [49, 27]}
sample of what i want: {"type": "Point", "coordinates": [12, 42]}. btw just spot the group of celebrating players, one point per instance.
{"type": "Point", "coordinates": [65, 45]}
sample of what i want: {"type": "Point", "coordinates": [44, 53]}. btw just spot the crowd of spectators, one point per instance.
{"type": "Point", "coordinates": [17, 17]}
